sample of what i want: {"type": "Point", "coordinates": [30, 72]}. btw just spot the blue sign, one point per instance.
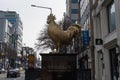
{"type": "Point", "coordinates": [85, 38]}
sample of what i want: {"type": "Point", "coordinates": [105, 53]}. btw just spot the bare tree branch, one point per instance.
{"type": "Point", "coordinates": [44, 41]}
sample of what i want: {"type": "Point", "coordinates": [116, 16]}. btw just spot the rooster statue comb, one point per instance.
{"type": "Point", "coordinates": [50, 18]}
{"type": "Point", "coordinates": [58, 35]}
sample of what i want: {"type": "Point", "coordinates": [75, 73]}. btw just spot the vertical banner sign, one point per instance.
{"type": "Point", "coordinates": [85, 38]}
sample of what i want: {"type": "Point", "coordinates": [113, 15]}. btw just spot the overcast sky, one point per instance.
{"type": "Point", "coordinates": [33, 18]}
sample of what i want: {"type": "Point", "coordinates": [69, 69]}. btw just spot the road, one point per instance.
{"type": "Point", "coordinates": [3, 77]}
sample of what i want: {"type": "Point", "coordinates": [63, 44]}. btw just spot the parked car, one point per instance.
{"type": "Point", "coordinates": [13, 73]}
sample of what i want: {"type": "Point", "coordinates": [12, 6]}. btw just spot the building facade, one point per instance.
{"type": "Point", "coordinates": [86, 55]}
{"type": "Point", "coordinates": [5, 42]}
{"type": "Point", "coordinates": [11, 34]}
{"type": "Point", "coordinates": [26, 51]}
{"type": "Point", "coordinates": [106, 17]}
{"type": "Point", "coordinates": [71, 17]}
{"type": "Point", "coordinates": [5, 31]}
{"type": "Point", "coordinates": [72, 10]}
{"type": "Point", "coordinates": [17, 31]}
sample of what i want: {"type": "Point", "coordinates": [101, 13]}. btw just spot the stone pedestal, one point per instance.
{"type": "Point", "coordinates": [58, 66]}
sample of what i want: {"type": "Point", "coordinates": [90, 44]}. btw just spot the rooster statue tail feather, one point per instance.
{"type": "Point", "coordinates": [58, 35]}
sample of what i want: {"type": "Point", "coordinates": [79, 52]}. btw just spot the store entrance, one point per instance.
{"type": "Point", "coordinates": [114, 64]}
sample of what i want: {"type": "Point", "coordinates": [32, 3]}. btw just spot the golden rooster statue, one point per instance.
{"type": "Point", "coordinates": [58, 35]}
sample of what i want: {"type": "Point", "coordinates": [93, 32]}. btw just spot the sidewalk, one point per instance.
{"type": "Point", "coordinates": [3, 75]}
{"type": "Point", "coordinates": [22, 71]}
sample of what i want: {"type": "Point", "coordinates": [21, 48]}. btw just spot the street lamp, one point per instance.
{"type": "Point", "coordinates": [42, 7]}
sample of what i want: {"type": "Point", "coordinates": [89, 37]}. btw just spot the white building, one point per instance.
{"type": "Point", "coordinates": [84, 13]}
{"type": "Point", "coordinates": [72, 16]}
{"type": "Point", "coordinates": [106, 16]}
{"type": "Point", "coordinates": [5, 31]}
{"type": "Point", "coordinates": [5, 41]}
{"type": "Point", "coordinates": [72, 10]}
{"type": "Point", "coordinates": [17, 32]}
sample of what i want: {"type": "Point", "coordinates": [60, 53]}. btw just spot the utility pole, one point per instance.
{"type": "Point", "coordinates": [92, 40]}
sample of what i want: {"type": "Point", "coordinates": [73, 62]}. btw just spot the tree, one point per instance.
{"type": "Point", "coordinates": [44, 41]}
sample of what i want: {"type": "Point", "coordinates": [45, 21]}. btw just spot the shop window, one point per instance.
{"type": "Point", "coordinates": [111, 17]}
{"type": "Point", "coordinates": [74, 20]}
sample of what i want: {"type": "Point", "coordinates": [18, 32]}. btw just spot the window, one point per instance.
{"type": "Point", "coordinates": [74, 11]}
{"type": "Point", "coordinates": [111, 17]}
{"type": "Point", "coordinates": [74, 1]}
{"type": "Point", "coordinates": [74, 20]}
{"type": "Point", "coordinates": [12, 19]}
{"type": "Point", "coordinates": [113, 64]}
